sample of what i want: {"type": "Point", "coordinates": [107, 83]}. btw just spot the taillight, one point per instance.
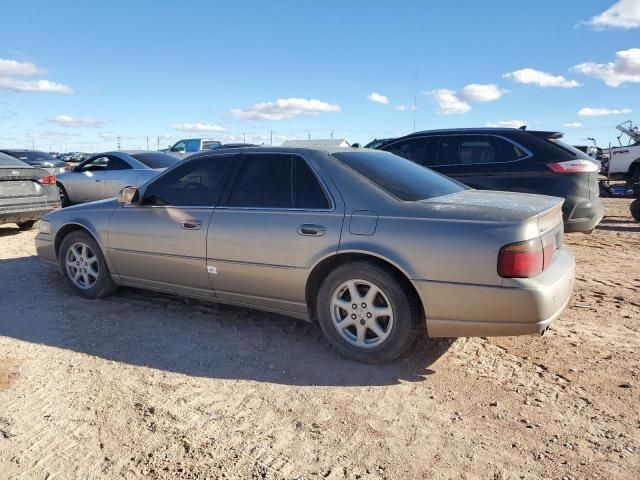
{"type": "Point", "coordinates": [522, 259]}
{"type": "Point", "coordinates": [48, 180]}
{"type": "Point", "coordinates": [574, 166]}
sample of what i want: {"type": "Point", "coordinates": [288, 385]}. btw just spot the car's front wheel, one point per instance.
{"type": "Point", "coordinates": [635, 209]}
{"type": "Point", "coordinates": [84, 268]}
{"type": "Point", "coordinates": [64, 197]}
{"type": "Point", "coordinates": [367, 312]}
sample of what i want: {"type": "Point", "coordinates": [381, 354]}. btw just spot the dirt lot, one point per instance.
{"type": "Point", "coordinates": [144, 385]}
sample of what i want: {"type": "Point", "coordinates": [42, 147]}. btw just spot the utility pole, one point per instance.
{"type": "Point", "coordinates": [415, 98]}
{"type": "Point", "coordinates": [147, 142]}
{"type": "Point", "coordinates": [309, 136]}
{"type": "Point", "coordinates": [118, 137]}
{"type": "Point", "coordinates": [271, 138]}
{"type": "Point", "coordinates": [244, 137]}
{"type": "Point", "coordinates": [158, 143]}
{"type": "Point", "coordinates": [33, 143]}
{"type": "Point", "coordinates": [331, 136]}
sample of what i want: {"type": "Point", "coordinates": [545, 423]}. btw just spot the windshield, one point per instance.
{"type": "Point", "coordinates": [33, 157]}
{"type": "Point", "coordinates": [397, 176]}
{"type": "Point", "coordinates": [568, 148]}
{"type": "Point", "coordinates": [8, 161]}
{"type": "Point", "coordinates": [156, 159]}
{"type": "Point", "coordinates": [210, 144]}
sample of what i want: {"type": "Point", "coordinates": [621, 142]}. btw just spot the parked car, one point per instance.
{"type": "Point", "coordinates": [26, 192]}
{"type": "Point", "coordinates": [624, 161]}
{"type": "Point", "coordinates": [363, 242]}
{"type": "Point", "coordinates": [233, 145]}
{"type": "Point", "coordinates": [104, 174]}
{"type": "Point", "coordinates": [36, 158]}
{"type": "Point", "coordinates": [185, 147]}
{"type": "Point", "coordinates": [512, 160]}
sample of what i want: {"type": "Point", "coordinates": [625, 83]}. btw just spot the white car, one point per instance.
{"type": "Point", "coordinates": [188, 146]}
{"type": "Point", "coordinates": [624, 162]}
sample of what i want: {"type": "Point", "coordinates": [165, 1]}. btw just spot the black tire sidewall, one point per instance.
{"type": "Point", "coordinates": [635, 209]}
{"type": "Point", "coordinates": [104, 284]}
{"type": "Point", "coordinates": [405, 313]}
{"type": "Point", "coordinates": [64, 201]}
{"type": "Point", "coordinates": [27, 225]}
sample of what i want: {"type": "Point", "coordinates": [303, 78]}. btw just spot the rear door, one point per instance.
{"type": "Point", "coordinates": [277, 221]}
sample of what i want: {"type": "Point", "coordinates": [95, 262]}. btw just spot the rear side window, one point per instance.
{"type": "Point", "coordinates": [156, 159]}
{"type": "Point", "coordinates": [277, 181]}
{"type": "Point", "coordinates": [115, 163]}
{"type": "Point", "coordinates": [193, 183]}
{"type": "Point", "coordinates": [413, 149]}
{"type": "Point", "coordinates": [508, 151]}
{"type": "Point", "coordinates": [465, 150]}
{"type": "Point", "coordinates": [397, 176]}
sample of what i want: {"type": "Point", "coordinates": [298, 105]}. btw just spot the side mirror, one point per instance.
{"type": "Point", "coordinates": [128, 196]}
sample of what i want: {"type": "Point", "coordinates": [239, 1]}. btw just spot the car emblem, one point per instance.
{"type": "Point", "coordinates": [15, 172]}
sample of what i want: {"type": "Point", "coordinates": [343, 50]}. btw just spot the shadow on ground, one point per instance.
{"type": "Point", "coordinates": [185, 336]}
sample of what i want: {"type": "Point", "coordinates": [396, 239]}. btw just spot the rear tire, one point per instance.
{"type": "Point", "coordinates": [84, 269]}
{"type": "Point", "coordinates": [27, 225]}
{"type": "Point", "coordinates": [635, 209]}
{"type": "Point", "coordinates": [368, 312]}
{"type": "Point", "coordinates": [64, 198]}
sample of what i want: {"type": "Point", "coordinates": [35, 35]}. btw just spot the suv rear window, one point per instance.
{"type": "Point", "coordinates": [397, 176]}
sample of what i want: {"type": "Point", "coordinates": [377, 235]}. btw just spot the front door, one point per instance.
{"type": "Point", "coordinates": [277, 221]}
{"type": "Point", "coordinates": [161, 242]}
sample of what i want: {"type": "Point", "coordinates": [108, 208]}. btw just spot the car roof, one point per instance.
{"type": "Point", "coordinates": [258, 149]}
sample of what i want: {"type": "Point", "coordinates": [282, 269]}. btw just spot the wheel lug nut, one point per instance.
{"type": "Point", "coordinates": [362, 322]}
{"type": "Point", "coordinates": [368, 315]}
{"type": "Point", "coordinates": [364, 305]}
{"type": "Point", "coordinates": [353, 316]}
{"type": "Point", "coordinates": [354, 306]}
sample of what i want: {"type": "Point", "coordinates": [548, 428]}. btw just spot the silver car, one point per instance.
{"type": "Point", "coordinates": [369, 245]}
{"type": "Point", "coordinates": [39, 159]}
{"type": "Point", "coordinates": [104, 174]}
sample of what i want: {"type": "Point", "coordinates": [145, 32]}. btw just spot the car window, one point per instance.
{"type": "Point", "coordinates": [508, 151]}
{"type": "Point", "coordinates": [210, 144]}
{"type": "Point", "coordinates": [192, 145]}
{"type": "Point", "coordinates": [178, 147]}
{"type": "Point", "coordinates": [413, 149]}
{"type": "Point", "coordinates": [397, 176]}
{"type": "Point", "coordinates": [9, 161]}
{"type": "Point", "coordinates": [98, 164]}
{"type": "Point", "coordinates": [465, 150]}
{"type": "Point", "coordinates": [34, 157]}
{"type": "Point", "coordinates": [264, 181]}
{"type": "Point", "coordinates": [156, 159]}
{"type": "Point", "coordinates": [115, 163]}
{"type": "Point", "coordinates": [308, 194]}
{"type": "Point", "coordinates": [193, 183]}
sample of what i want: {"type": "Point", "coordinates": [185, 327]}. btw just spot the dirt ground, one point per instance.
{"type": "Point", "coordinates": [144, 385]}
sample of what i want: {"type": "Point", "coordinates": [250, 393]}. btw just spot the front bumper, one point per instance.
{"type": "Point", "coordinates": [45, 248]}
{"type": "Point", "coordinates": [518, 307]}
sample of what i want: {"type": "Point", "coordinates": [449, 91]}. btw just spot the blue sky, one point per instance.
{"type": "Point", "coordinates": [76, 75]}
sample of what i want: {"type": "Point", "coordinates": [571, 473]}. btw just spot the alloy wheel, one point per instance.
{"type": "Point", "coordinates": [82, 265]}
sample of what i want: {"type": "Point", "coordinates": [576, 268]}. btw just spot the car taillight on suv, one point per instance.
{"type": "Point", "coordinates": [48, 180]}
{"type": "Point", "coordinates": [574, 166]}
{"type": "Point", "coordinates": [529, 258]}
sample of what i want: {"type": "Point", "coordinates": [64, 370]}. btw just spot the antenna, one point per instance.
{"type": "Point", "coordinates": [415, 98]}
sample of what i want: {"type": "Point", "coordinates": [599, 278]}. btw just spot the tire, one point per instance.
{"type": "Point", "coordinates": [635, 209]}
{"type": "Point", "coordinates": [71, 257]}
{"type": "Point", "coordinates": [27, 225]}
{"type": "Point", "coordinates": [64, 198]}
{"type": "Point", "coordinates": [395, 332]}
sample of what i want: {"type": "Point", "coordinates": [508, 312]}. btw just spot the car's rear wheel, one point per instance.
{"type": "Point", "coordinates": [635, 209]}
{"type": "Point", "coordinates": [83, 266]}
{"type": "Point", "coordinates": [64, 198]}
{"type": "Point", "coordinates": [27, 225]}
{"type": "Point", "coordinates": [367, 312]}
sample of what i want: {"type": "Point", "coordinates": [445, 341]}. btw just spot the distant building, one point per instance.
{"type": "Point", "coordinates": [318, 142]}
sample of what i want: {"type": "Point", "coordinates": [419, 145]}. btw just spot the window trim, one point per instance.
{"type": "Point", "coordinates": [528, 152]}
{"type": "Point", "coordinates": [224, 201]}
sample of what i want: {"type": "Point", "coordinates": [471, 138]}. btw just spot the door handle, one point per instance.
{"type": "Point", "coordinates": [311, 230]}
{"type": "Point", "coordinates": [191, 225]}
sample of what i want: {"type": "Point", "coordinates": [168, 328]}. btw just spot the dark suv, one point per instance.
{"type": "Point", "coordinates": [514, 160]}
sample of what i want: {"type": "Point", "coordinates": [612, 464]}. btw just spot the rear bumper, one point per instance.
{"type": "Point", "coordinates": [583, 216]}
{"type": "Point", "coordinates": [22, 215]}
{"type": "Point", "coordinates": [519, 307]}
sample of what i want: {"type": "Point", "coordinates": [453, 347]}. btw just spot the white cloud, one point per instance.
{"type": "Point", "coordinates": [572, 125]}
{"type": "Point", "coordinates": [198, 127]}
{"type": "Point", "coordinates": [476, 92]}
{"type": "Point", "coordinates": [68, 121]}
{"type": "Point", "coordinates": [542, 79]}
{"type": "Point", "coordinates": [507, 123]}
{"type": "Point", "coordinates": [404, 108]}
{"type": "Point", "coordinates": [17, 85]}
{"type": "Point", "coordinates": [625, 68]}
{"type": "Point", "coordinates": [12, 68]}
{"type": "Point", "coordinates": [451, 102]}
{"type": "Point", "coordinates": [9, 69]}
{"type": "Point", "coordinates": [378, 98]}
{"type": "Point", "coordinates": [284, 108]}
{"type": "Point", "coordinates": [622, 14]}
{"type": "Point", "coordinates": [601, 112]}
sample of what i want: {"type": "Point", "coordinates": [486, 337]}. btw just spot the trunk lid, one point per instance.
{"type": "Point", "coordinates": [18, 182]}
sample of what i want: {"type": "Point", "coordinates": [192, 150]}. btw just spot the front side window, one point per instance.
{"type": "Point", "coordinates": [277, 181]}
{"type": "Point", "coordinates": [397, 176]}
{"type": "Point", "coordinates": [98, 164]}
{"type": "Point", "coordinates": [413, 149]}
{"type": "Point", "coordinates": [193, 183]}
{"type": "Point", "coordinates": [178, 147]}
